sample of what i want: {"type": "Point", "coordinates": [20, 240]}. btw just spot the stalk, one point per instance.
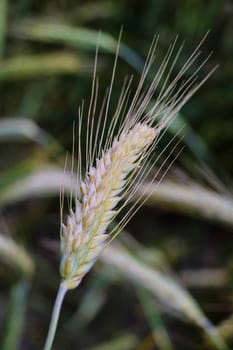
{"type": "Point", "coordinates": [55, 317]}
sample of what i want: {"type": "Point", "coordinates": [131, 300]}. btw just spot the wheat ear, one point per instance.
{"type": "Point", "coordinates": [115, 164]}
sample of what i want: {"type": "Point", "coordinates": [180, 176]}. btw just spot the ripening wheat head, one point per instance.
{"type": "Point", "coordinates": [116, 153]}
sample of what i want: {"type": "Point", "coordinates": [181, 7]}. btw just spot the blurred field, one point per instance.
{"type": "Point", "coordinates": [168, 277]}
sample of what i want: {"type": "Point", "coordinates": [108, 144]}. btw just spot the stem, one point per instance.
{"type": "Point", "coordinates": [55, 316]}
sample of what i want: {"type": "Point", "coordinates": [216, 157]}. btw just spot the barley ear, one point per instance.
{"type": "Point", "coordinates": [116, 163]}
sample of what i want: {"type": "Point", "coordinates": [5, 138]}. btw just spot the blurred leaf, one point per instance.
{"type": "Point", "coordinates": [3, 22]}
{"type": "Point", "coordinates": [15, 316]}
{"type": "Point", "coordinates": [125, 342]}
{"type": "Point", "coordinates": [190, 199]}
{"type": "Point", "coordinates": [155, 321]}
{"type": "Point", "coordinates": [14, 256]}
{"type": "Point", "coordinates": [37, 65]}
{"type": "Point", "coordinates": [43, 182]}
{"type": "Point", "coordinates": [74, 36]}
{"type": "Point", "coordinates": [174, 297]}
{"type": "Point", "coordinates": [12, 129]}
{"type": "Point", "coordinates": [16, 174]}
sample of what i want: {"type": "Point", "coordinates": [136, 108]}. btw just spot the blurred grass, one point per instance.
{"type": "Point", "coordinates": [16, 314]}
{"type": "Point", "coordinates": [164, 287]}
{"type": "Point", "coordinates": [126, 342]}
{"type": "Point", "coordinates": [46, 53]}
{"type": "Point", "coordinates": [15, 257]}
{"type": "Point", "coordinates": [3, 25]}
{"type": "Point", "coordinates": [74, 36]}
{"type": "Point", "coordinates": [158, 328]}
{"type": "Point", "coordinates": [16, 129]}
{"type": "Point", "coordinates": [30, 66]}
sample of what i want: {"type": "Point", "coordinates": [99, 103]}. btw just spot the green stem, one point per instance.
{"type": "Point", "coordinates": [55, 316]}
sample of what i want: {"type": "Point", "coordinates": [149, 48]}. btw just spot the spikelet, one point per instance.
{"type": "Point", "coordinates": [121, 162]}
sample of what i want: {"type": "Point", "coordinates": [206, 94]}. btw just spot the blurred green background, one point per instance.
{"type": "Point", "coordinates": [179, 244]}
